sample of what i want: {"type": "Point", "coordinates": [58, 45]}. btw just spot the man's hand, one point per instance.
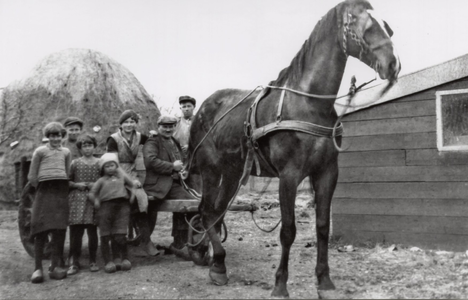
{"type": "Point", "coordinates": [178, 165]}
{"type": "Point", "coordinates": [97, 204]}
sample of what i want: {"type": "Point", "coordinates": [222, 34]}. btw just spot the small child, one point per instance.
{"type": "Point", "coordinates": [111, 198]}
{"type": "Point", "coordinates": [84, 172]}
{"type": "Point", "coordinates": [49, 175]}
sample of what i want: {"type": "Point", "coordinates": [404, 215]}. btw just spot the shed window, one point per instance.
{"type": "Point", "coordinates": [452, 120]}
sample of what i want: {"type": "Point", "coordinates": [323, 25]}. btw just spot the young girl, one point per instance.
{"type": "Point", "coordinates": [110, 197]}
{"type": "Point", "coordinates": [84, 171]}
{"type": "Point", "coordinates": [49, 175]}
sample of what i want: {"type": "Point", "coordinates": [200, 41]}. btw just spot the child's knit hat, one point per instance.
{"type": "Point", "coordinates": [107, 157]}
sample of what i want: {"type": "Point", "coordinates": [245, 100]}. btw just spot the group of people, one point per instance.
{"type": "Point", "coordinates": [76, 189]}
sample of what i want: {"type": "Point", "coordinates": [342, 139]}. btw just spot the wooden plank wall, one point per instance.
{"type": "Point", "coordinates": [394, 185]}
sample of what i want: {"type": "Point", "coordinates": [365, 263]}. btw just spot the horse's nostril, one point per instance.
{"type": "Point", "coordinates": [393, 66]}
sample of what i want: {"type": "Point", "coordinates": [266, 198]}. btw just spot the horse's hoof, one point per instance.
{"type": "Point", "coordinates": [326, 285]}
{"type": "Point", "coordinates": [280, 293]}
{"type": "Point", "coordinates": [219, 278]}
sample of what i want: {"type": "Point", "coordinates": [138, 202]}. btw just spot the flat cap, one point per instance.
{"type": "Point", "coordinates": [73, 120]}
{"type": "Point", "coordinates": [187, 99]}
{"type": "Point", "coordinates": [167, 120]}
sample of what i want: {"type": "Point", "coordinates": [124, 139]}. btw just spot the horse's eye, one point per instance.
{"type": "Point", "coordinates": [351, 18]}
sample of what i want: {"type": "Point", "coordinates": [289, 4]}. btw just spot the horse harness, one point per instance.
{"type": "Point", "coordinates": [253, 133]}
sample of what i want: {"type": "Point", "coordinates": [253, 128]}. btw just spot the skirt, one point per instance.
{"type": "Point", "coordinates": [50, 207]}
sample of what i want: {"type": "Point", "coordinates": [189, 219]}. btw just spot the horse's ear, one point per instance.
{"type": "Point", "coordinates": [389, 30]}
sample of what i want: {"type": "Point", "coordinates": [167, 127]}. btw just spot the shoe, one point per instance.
{"type": "Point", "coordinates": [126, 265]}
{"type": "Point", "coordinates": [110, 267]}
{"type": "Point", "coordinates": [37, 276]}
{"type": "Point", "coordinates": [151, 249]}
{"type": "Point", "coordinates": [118, 263]}
{"type": "Point", "coordinates": [73, 270]}
{"type": "Point", "coordinates": [93, 267]}
{"type": "Point", "coordinates": [58, 273]}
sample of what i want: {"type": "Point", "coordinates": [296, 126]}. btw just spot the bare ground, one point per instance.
{"type": "Point", "coordinates": [371, 271]}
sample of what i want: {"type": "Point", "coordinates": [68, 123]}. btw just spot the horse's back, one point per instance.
{"type": "Point", "coordinates": [229, 104]}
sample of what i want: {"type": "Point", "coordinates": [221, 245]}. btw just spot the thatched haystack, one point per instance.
{"type": "Point", "coordinates": [74, 82]}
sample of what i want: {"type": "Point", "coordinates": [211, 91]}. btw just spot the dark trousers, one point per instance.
{"type": "Point", "coordinates": [147, 221]}
{"type": "Point", "coordinates": [118, 244]}
{"type": "Point", "coordinates": [57, 243]}
{"type": "Point", "coordinates": [76, 240]}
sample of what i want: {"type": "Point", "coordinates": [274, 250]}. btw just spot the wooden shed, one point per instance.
{"type": "Point", "coordinates": [404, 175]}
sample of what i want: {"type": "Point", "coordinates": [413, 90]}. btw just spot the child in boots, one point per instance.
{"type": "Point", "coordinates": [84, 172]}
{"type": "Point", "coordinates": [49, 175]}
{"type": "Point", "coordinates": [111, 198]}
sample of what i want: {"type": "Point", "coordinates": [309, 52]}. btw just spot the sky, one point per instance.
{"type": "Point", "coordinates": [196, 47]}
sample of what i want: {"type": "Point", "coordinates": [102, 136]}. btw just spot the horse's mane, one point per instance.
{"type": "Point", "coordinates": [321, 30]}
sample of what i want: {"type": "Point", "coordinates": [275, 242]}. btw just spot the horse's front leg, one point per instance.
{"type": "Point", "coordinates": [213, 214]}
{"type": "Point", "coordinates": [287, 197]}
{"type": "Point", "coordinates": [324, 185]}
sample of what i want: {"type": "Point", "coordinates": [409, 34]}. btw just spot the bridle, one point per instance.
{"type": "Point", "coordinates": [363, 45]}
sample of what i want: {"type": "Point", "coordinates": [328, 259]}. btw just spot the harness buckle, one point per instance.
{"type": "Point", "coordinates": [248, 130]}
{"type": "Point", "coordinates": [255, 145]}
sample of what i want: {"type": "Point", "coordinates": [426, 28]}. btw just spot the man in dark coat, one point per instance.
{"type": "Point", "coordinates": [163, 161]}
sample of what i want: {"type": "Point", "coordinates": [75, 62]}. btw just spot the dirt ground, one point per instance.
{"type": "Point", "coordinates": [371, 271]}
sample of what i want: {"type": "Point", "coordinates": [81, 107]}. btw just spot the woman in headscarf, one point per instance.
{"type": "Point", "coordinates": [126, 143]}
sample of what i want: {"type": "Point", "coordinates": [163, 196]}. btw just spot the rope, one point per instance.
{"type": "Point", "coordinates": [258, 198]}
{"type": "Point", "coordinates": [264, 230]}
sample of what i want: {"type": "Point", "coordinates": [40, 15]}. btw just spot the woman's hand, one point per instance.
{"type": "Point", "coordinates": [137, 184]}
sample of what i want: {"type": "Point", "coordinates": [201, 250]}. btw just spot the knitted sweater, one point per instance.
{"type": "Point", "coordinates": [111, 187]}
{"type": "Point", "coordinates": [49, 164]}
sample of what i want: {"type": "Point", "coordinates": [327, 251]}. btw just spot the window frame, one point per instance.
{"type": "Point", "coordinates": [440, 130]}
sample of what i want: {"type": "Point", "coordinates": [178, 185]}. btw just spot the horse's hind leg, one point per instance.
{"type": "Point", "coordinates": [211, 214]}
{"type": "Point", "coordinates": [324, 185]}
{"type": "Point", "coordinates": [287, 195]}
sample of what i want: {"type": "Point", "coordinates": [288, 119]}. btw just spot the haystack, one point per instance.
{"type": "Point", "coordinates": [74, 82]}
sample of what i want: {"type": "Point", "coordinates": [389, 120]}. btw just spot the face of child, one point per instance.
{"type": "Point", "coordinates": [187, 109]}
{"type": "Point", "coordinates": [73, 132]}
{"type": "Point", "coordinates": [110, 168]}
{"type": "Point", "coordinates": [55, 140]}
{"type": "Point", "coordinates": [87, 150]}
{"type": "Point", "coordinates": [128, 125]}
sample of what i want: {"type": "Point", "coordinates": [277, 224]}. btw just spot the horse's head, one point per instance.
{"type": "Point", "coordinates": [367, 37]}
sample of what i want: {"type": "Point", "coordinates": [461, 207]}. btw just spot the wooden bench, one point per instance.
{"type": "Point", "coordinates": [191, 205]}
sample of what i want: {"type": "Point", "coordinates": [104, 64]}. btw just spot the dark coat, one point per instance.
{"type": "Point", "coordinates": [159, 166]}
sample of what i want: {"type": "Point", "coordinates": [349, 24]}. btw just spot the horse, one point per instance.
{"type": "Point", "coordinates": [220, 141]}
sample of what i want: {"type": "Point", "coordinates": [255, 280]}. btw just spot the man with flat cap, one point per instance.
{"type": "Point", "coordinates": [74, 126]}
{"type": "Point", "coordinates": [163, 161]}
{"type": "Point", "coordinates": [182, 130]}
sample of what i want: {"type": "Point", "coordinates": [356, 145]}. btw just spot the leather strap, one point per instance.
{"type": "Point", "coordinates": [300, 126]}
